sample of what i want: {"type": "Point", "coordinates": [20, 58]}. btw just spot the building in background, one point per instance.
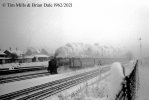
{"type": "Point", "coordinates": [3, 58]}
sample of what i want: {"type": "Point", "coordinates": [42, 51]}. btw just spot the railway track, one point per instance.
{"type": "Point", "coordinates": [48, 89]}
{"type": "Point", "coordinates": [22, 77]}
{"type": "Point", "coordinates": [21, 69]}
{"type": "Point", "coordinates": [36, 75]}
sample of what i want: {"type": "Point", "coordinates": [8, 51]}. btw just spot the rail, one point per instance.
{"type": "Point", "coordinates": [130, 85]}
{"type": "Point", "coordinates": [48, 89]}
{"type": "Point", "coordinates": [21, 69]}
{"type": "Point", "coordinates": [22, 77]}
{"type": "Point", "coordinates": [36, 75]}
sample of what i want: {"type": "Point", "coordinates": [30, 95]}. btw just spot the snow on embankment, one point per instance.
{"type": "Point", "coordinates": [105, 87]}
{"type": "Point", "coordinates": [23, 84]}
{"type": "Point", "coordinates": [116, 78]}
{"type": "Point", "coordinates": [93, 89]}
{"type": "Point", "coordinates": [129, 67]}
{"type": "Point", "coordinates": [108, 87]}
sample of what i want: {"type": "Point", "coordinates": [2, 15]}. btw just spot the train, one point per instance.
{"type": "Point", "coordinates": [42, 62]}
{"type": "Point", "coordinates": [87, 62]}
{"type": "Point", "coordinates": [79, 63]}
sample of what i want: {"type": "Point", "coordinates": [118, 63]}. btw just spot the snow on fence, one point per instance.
{"type": "Point", "coordinates": [130, 85]}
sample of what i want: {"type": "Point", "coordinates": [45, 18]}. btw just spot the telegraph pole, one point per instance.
{"type": "Point", "coordinates": [140, 49]}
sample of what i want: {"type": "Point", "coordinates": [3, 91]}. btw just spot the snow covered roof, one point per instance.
{"type": "Point", "coordinates": [2, 53]}
{"type": "Point", "coordinates": [29, 57]}
{"type": "Point", "coordinates": [19, 53]}
{"type": "Point", "coordinates": [41, 56]}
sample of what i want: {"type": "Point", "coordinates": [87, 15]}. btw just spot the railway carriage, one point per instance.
{"type": "Point", "coordinates": [78, 62]}
{"type": "Point", "coordinates": [86, 62]}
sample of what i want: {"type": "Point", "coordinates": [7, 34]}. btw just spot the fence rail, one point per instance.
{"type": "Point", "coordinates": [130, 85]}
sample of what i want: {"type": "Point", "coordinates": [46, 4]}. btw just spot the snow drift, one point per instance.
{"type": "Point", "coordinates": [116, 79]}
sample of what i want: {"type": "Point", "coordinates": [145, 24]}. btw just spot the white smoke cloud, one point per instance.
{"type": "Point", "coordinates": [88, 50]}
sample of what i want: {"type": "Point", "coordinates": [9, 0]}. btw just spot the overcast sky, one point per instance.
{"type": "Point", "coordinates": [111, 22]}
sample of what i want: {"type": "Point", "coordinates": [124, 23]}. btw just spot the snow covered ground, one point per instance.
{"type": "Point", "coordinates": [144, 82]}
{"type": "Point", "coordinates": [19, 85]}
{"type": "Point", "coordinates": [103, 87]}
{"type": "Point", "coordinates": [98, 90]}
{"type": "Point", "coordinates": [94, 89]}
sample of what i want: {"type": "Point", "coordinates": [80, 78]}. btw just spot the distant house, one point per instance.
{"type": "Point", "coordinates": [14, 52]}
{"type": "Point", "coordinates": [40, 58]}
{"type": "Point", "coordinates": [11, 56]}
{"type": "Point", "coordinates": [28, 59]}
{"type": "Point", "coordinates": [3, 58]}
{"type": "Point", "coordinates": [33, 58]}
{"type": "Point", "coordinates": [2, 54]}
{"type": "Point", "coordinates": [15, 55]}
